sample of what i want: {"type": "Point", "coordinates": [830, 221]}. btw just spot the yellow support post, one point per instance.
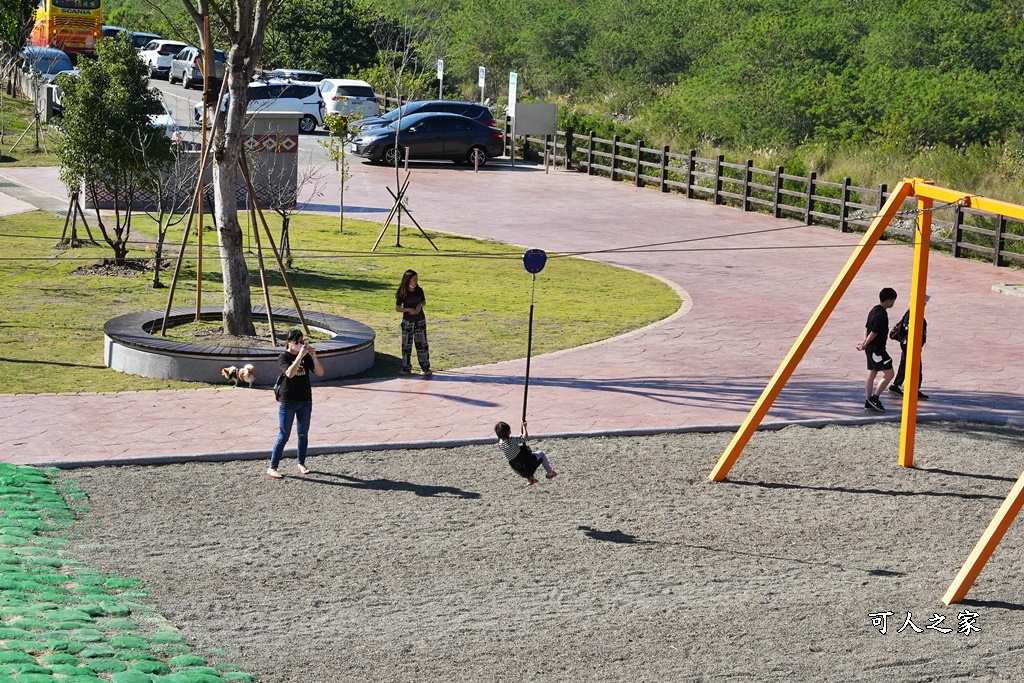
{"type": "Point", "coordinates": [986, 544]}
{"type": "Point", "coordinates": [918, 288]}
{"type": "Point", "coordinates": [810, 331]}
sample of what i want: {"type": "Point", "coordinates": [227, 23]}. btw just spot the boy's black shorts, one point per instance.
{"type": "Point", "coordinates": [879, 360]}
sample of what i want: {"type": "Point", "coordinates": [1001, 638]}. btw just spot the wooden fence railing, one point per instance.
{"type": "Point", "coordinates": [968, 233]}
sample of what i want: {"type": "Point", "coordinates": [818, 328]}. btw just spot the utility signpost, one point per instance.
{"type": "Point", "coordinates": [440, 79]}
{"type": "Point", "coordinates": [513, 82]}
{"type": "Point", "coordinates": [481, 80]}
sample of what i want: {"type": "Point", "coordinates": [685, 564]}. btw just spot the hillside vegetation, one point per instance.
{"type": "Point", "coordinates": [864, 88]}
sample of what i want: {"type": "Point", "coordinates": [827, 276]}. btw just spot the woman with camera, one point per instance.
{"type": "Point", "coordinates": [295, 397]}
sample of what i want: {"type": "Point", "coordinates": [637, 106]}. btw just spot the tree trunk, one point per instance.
{"type": "Point", "coordinates": [237, 298]}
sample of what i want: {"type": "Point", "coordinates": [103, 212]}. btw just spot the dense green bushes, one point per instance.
{"type": "Point", "coordinates": [860, 82]}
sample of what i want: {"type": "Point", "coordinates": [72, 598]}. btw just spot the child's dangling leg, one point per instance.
{"type": "Point", "coordinates": [551, 474]}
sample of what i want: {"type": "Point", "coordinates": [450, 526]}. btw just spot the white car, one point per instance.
{"type": "Point", "coordinates": [58, 94]}
{"type": "Point", "coordinates": [280, 96]}
{"type": "Point", "coordinates": [163, 120]}
{"type": "Point", "coordinates": [167, 122]}
{"type": "Point", "coordinates": [157, 55]}
{"type": "Point", "coordinates": [346, 96]}
{"type": "Point", "coordinates": [296, 75]}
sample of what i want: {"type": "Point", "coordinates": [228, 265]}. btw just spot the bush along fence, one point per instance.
{"type": "Point", "coordinates": [968, 233]}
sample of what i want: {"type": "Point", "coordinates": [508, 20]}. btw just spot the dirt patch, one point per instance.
{"type": "Point", "coordinates": [630, 566]}
{"type": "Point", "coordinates": [211, 333]}
{"type": "Point", "coordinates": [110, 267]}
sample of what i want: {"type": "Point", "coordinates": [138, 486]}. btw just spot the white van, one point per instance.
{"type": "Point", "coordinates": [281, 96]}
{"type": "Point", "coordinates": [346, 96]}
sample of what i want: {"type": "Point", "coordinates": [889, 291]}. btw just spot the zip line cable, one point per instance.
{"type": "Point", "coordinates": [624, 250]}
{"type": "Point", "coordinates": [318, 254]}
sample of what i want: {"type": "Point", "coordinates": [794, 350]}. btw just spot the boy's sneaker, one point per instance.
{"type": "Point", "coordinates": [405, 371]}
{"type": "Point", "coordinates": [531, 481]}
{"type": "Point", "coordinates": [921, 396]}
{"type": "Point", "coordinates": [427, 374]}
{"type": "Point", "coordinates": [551, 475]}
{"type": "Point", "coordinates": [896, 390]}
{"type": "Point", "coordinates": [875, 404]}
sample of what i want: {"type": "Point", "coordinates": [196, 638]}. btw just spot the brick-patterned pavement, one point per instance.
{"type": "Point", "coordinates": [746, 299]}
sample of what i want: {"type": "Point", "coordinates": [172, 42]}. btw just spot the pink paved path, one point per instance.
{"type": "Point", "coordinates": [703, 366]}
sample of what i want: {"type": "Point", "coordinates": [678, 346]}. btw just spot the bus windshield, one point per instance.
{"type": "Point", "coordinates": [77, 4]}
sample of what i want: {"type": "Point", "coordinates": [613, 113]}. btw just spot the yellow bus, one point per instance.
{"type": "Point", "coordinates": [73, 26]}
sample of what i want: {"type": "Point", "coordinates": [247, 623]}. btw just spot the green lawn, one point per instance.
{"type": "Point", "coordinates": [478, 298]}
{"type": "Point", "coordinates": [17, 117]}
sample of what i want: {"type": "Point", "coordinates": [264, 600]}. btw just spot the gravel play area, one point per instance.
{"type": "Point", "coordinates": [629, 566]}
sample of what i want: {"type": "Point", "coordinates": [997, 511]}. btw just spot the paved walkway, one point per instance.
{"type": "Point", "coordinates": [746, 300]}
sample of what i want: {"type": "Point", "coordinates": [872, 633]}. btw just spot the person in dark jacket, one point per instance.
{"type": "Point", "coordinates": [296, 398]}
{"type": "Point", "coordinates": [897, 383]}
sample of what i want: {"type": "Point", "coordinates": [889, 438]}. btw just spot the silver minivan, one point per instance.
{"type": "Point", "coordinates": [187, 67]}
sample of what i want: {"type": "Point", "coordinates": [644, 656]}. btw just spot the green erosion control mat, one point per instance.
{"type": "Point", "coordinates": [63, 622]}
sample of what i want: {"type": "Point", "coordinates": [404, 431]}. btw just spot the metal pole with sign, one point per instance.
{"type": "Point", "coordinates": [481, 80]}
{"type": "Point", "coordinates": [440, 79]}
{"type": "Point", "coordinates": [533, 261]}
{"type": "Point", "coordinates": [513, 82]}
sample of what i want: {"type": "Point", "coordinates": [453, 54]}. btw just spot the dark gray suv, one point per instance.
{"type": "Point", "coordinates": [477, 112]}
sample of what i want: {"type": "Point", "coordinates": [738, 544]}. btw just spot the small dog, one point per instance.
{"type": "Point", "coordinates": [238, 375]}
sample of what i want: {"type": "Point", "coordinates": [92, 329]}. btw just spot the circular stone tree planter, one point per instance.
{"type": "Point", "coordinates": [131, 344]}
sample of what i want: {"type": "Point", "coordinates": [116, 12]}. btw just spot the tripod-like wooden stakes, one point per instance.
{"type": "Point", "coordinates": [396, 210]}
{"type": "Point", "coordinates": [197, 205]}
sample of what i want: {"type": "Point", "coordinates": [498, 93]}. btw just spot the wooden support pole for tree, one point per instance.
{"type": "Point", "coordinates": [202, 181]}
{"type": "Point", "coordinates": [197, 196]}
{"type": "Point", "coordinates": [243, 165]}
{"type": "Point", "coordinates": [263, 276]}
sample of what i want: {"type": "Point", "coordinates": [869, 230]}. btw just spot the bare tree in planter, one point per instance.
{"type": "Point", "coordinates": [173, 186]}
{"type": "Point", "coordinates": [109, 142]}
{"type": "Point", "coordinates": [282, 195]}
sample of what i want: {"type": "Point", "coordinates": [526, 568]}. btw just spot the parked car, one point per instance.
{"type": "Point", "coordinates": [431, 136]}
{"type": "Point", "coordinates": [140, 40]}
{"type": "Point", "coordinates": [280, 96]}
{"type": "Point", "coordinates": [346, 97]}
{"type": "Point", "coordinates": [113, 31]}
{"type": "Point", "coordinates": [477, 112]}
{"type": "Point", "coordinates": [44, 63]}
{"type": "Point", "coordinates": [186, 67]}
{"type": "Point", "coordinates": [164, 118]}
{"type": "Point", "coordinates": [58, 94]}
{"type": "Point", "coordinates": [296, 75]}
{"type": "Point", "coordinates": [157, 55]}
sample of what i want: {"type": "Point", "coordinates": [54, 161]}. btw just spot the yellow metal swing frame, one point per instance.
{"type": "Point", "coordinates": [927, 194]}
